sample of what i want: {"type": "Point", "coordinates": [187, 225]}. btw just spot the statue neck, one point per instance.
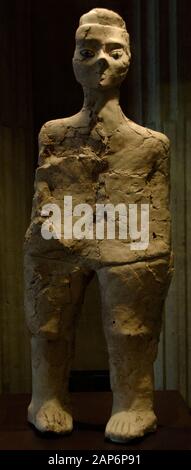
{"type": "Point", "coordinates": [103, 106]}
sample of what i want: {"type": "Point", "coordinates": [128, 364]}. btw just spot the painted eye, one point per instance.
{"type": "Point", "coordinates": [116, 54]}
{"type": "Point", "coordinates": [87, 53]}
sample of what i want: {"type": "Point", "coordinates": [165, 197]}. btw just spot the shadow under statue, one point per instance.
{"type": "Point", "coordinates": [98, 156]}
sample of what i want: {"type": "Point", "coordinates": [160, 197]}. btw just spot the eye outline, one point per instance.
{"type": "Point", "coordinates": [116, 51]}
{"type": "Point", "coordinates": [92, 53]}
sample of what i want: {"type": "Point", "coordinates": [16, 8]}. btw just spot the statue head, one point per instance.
{"type": "Point", "coordinates": [102, 54]}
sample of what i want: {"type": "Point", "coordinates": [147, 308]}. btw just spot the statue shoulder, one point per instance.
{"type": "Point", "coordinates": [157, 140]}
{"type": "Point", "coordinates": [161, 141]}
{"type": "Point", "coordinates": [51, 134]}
{"type": "Point", "coordinates": [51, 131]}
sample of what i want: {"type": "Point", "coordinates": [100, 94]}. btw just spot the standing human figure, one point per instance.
{"type": "Point", "coordinates": [98, 156]}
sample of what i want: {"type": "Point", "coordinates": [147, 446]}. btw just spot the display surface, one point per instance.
{"type": "Point", "coordinates": [91, 411]}
{"type": "Point", "coordinates": [96, 158]}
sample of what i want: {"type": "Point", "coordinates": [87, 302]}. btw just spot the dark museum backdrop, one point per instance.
{"type": "Point", "coordinates": [36, 85]}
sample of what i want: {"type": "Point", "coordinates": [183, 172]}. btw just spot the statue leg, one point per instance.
{"type": "Point", "coordinates": [132, 300]}
{"type": "Point", "coordinates": [53, 298]}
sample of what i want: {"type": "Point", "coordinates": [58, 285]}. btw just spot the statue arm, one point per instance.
{"type": "Point", "coordinates": [45, 143]}
{"type": "Point", "coordinates": [164, 157]}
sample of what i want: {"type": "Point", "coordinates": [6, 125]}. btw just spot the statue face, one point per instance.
{"type": "Point", "coordinates": [101, 57]}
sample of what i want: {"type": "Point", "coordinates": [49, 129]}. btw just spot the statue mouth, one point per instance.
{"type": "Point", "coordinates": [103, 75]}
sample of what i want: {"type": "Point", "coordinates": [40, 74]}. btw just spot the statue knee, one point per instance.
{"type": "Point", "coordinates": [40, 322]}
{"type": "Point", "coordinates": [49, 330]}
{"type": "Point", "coordinates": [125, 321]}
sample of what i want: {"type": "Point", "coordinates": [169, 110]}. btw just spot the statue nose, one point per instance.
{"type": "Point", "coordinates": [102, 61]}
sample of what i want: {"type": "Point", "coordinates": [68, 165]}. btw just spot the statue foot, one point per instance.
{"type": "Point", "coordinates": [124, 426]}
{"type": "Point", "coordinates": [50, 417]}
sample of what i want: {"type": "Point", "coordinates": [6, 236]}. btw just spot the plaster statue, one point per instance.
{"type": "Point", "coordinates": [98, 156]}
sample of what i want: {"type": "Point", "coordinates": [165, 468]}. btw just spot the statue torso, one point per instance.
{"type": "Point", "coordinates": [126, 165]}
